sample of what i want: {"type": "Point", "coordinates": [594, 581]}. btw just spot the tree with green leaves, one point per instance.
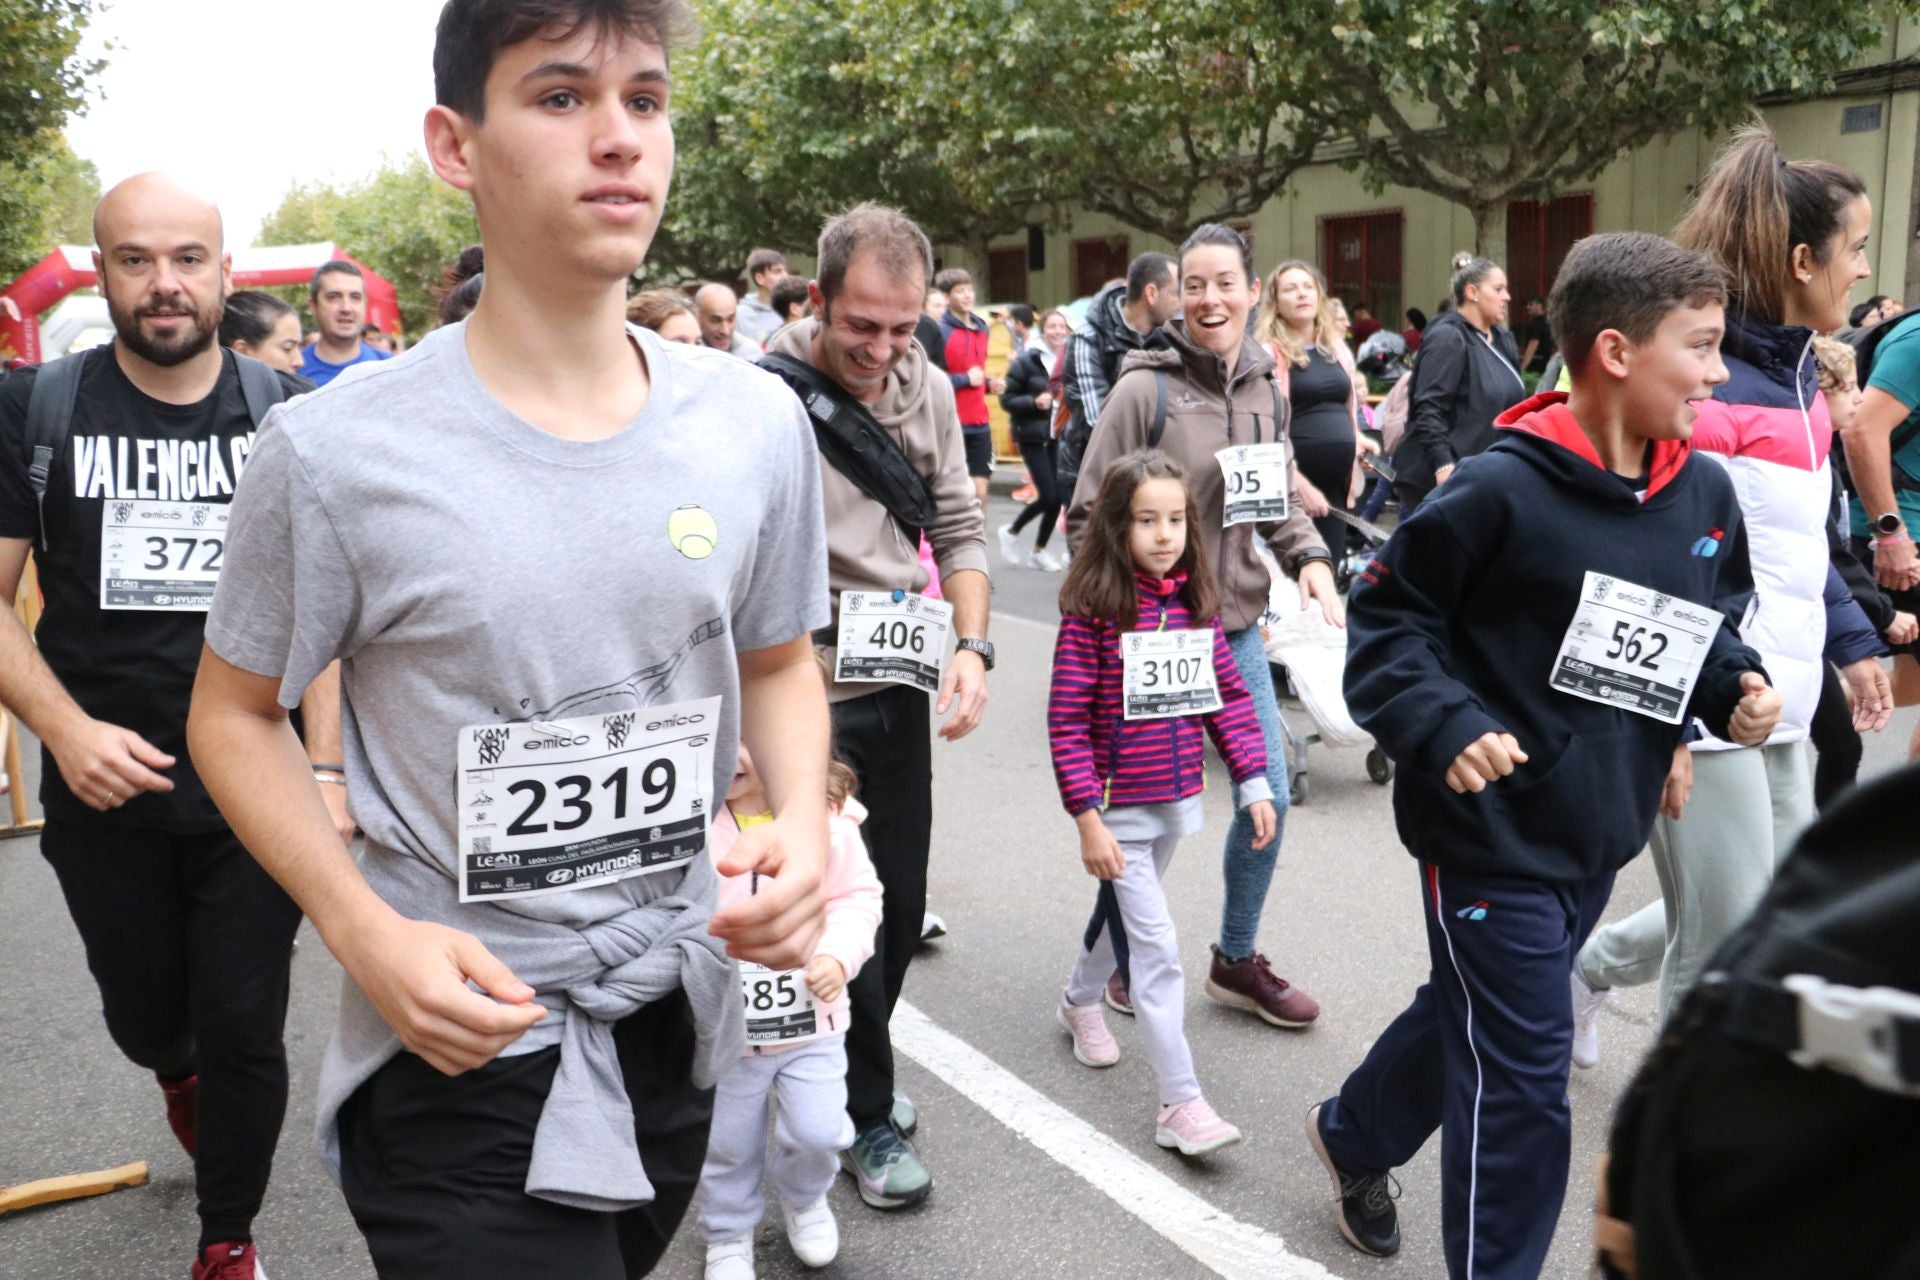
{"type": "Point", "coordinates": [401, 220]}
{"type": "Point", "coordinates": [46, 199]}
{"type": "Point", "coordinates": [43, 78]}
{"type": "Point", "coordinates": [1160, 115]}
{"type": "Point", "coordinates": [784, 116]}
{"type": "Point", "coordinates": [1504, 100]}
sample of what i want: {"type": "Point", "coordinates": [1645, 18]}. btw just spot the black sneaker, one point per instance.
{"type": "Point", "coordinates": [1366, 1214]}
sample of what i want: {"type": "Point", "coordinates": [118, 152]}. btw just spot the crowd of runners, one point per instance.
{"type": "Point", "coordinates": [638, 862]}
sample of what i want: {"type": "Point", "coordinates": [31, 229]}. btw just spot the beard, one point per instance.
{"type": "Point", "coordinates": [171, 350]}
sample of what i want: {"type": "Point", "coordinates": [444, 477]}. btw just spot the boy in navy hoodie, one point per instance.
{"type": "Point", "coordinates": [1528, 649]}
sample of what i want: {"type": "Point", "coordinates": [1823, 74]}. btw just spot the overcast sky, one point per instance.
{"type": "Point", "coordinates": [243, 98]}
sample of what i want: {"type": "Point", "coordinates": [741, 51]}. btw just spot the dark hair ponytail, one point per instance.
{"type": "Point", "coordinates": [1755, 207]}
{"type": "Point", "coordinates": [250, 317]}
{"type": "Point", "coordinates": [460, 285]}
{"type": "Point", "coordinates": [1213, 233]}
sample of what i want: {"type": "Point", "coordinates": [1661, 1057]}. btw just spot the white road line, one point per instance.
{"type": "Point", "coordinates": [1223, 1244]}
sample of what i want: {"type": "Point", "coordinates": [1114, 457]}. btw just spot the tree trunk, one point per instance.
{"type": "Point", "coordinates": [1490, 230]}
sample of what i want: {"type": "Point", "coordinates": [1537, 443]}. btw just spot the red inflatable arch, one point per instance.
{"type": "Point", "coordinates": [70, 267]}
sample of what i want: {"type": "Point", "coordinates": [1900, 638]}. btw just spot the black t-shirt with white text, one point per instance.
{"type": "Point", "coordinates": [158, 467]}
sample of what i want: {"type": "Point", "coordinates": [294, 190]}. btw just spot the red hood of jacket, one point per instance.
{"type": "Point", "coordinates": [1546, 415]}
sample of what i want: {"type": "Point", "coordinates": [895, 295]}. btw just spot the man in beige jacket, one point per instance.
{"type": "Point", "coordinates": [873, 269]}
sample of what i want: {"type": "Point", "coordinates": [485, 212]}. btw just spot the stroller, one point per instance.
{"type": "Point", "coordinates": [1307, 657]}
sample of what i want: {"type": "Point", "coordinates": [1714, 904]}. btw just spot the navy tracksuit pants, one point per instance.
{"type": "Point", "coordinates": [1482, 1055]}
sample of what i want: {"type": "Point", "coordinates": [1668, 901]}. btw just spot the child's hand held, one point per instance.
{"type": "Point", "coordinates": [1264, 822]}
{"type": "Point", "coordinates": [1488, 758]}
{"type": "Point", "coordinates": [825, 978]}
{"type": "Point", "coordinates": [1757, 713]}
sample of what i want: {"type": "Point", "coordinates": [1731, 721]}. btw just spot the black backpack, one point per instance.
{"type": "Point", "coordinates": [1772, 1131]}
{"type": "Point", "coordinates": [56, 389]}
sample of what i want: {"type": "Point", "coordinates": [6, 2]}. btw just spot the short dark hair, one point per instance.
{"type": "Point", "coordinates": [472, 33]}
{"type": "Point", "coordinates": [788, 291]}
{"type": "Point", "coordinates": [460, 285]}
{"type": "Point", "coordinates": [1217, 234]}
{"type": "Point", "coordinates": [1150, 268]}
{"type": "Point", "coordinates": [1628, 281]}
{"type": "Point", "coordinates": [250, 317]}
{"type": "Point", "coordinates": [1859, 314]}
{"type": "Point", "coordinates": [1470, 273]}
{"type": "Point", "coordinates": [952, 278]}
{"type": "Point", "coordinates": [1023, 313]}
{"type": "Point", "coordinates": [760, 259]}
{"type": "Point", "coordinates": [891, 236]}
{"type": "Point", "coordinates": [338, 267]}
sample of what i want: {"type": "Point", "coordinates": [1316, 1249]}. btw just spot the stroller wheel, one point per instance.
{"type": "Point", "coordinates": [1379, 768]}
{"type": "Point", "coordinates": [1297, 789]}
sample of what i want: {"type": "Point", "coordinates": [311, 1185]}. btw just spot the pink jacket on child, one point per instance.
{"type": "Point", "coordinates": [853, 900]}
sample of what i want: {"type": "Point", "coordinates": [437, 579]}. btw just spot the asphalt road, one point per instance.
{"type": "Point", "coordinates": [1342, 921]}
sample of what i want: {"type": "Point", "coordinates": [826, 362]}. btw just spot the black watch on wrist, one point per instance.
{"type": "Point", "coordinates": [981, 647]}
{"type": "Point", "coordinates": [1887, 525]}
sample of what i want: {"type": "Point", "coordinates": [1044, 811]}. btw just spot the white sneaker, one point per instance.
{"type": "Point", "coordinates": [1048, 561]}
{"type": "Point", "coordinates": [1010, 547]}
{"type": "Point", "coordinates": [1587, 1004]}
{"type": "Point", "coordinates": [730, 1260]}
{"type": "Point", "coordinates": [812, 1232]}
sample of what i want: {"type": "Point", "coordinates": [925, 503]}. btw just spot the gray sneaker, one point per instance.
{"type": "Point", "coordinates": [888, 1173]}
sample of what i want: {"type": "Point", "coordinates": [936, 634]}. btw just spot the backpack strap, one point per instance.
{"type": "Point", "coordinates": [50, 405]}
{"type": "Point", "coordinates": [1158, 427]}
{"type": "Point", "coordinates": [1279, 411]}
{"type": "Point", "coordinates": [260, 385]}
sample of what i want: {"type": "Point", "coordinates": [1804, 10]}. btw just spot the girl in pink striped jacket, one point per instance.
{"type": "Point", "coordinates": [1141, 672]}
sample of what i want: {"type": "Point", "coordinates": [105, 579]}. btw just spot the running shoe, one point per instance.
{"type": "Point", "coordinates": [1364, 1203]}
{"type": "Point", "coordinates": [812, 1232]}
{"type": "Point", "coordinates": [1010, 547]}
{"type": "Point", "coordinates": [931, 927]}
{"type": "Point", "coordinates": [730, 1259]}
{"type": "Point", "coordinates": [1118, 998]}
{"type": "Point", "coordinates": [1048, 561]}
{"type": "Point", "coordinates": [888, 1173]}
{"type": "Point", "coordinates": [1253, 985]}
{"type": "Point", "coordinates": [183, 1110]}
{"type": "Point", "coordinates": [230, 1260]}
{"type": "Point", "coordinates": [906, 1116]}
{"type": "Point", "coordinates": [1587, 1004]}
{"type": "Point", "coordinates": [1093, 1044]}
{"type": "Point", "coordinates": [1193, 1128]}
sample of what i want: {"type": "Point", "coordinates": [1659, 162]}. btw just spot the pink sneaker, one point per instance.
{"type": "Point", "coordinates": [1093, 1044]}
{"type": "Point", "coordinates": [1194, 1128]}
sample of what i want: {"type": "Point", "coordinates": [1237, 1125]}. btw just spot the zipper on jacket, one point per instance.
{"type": "Point", "coordinates": [1800, 397]}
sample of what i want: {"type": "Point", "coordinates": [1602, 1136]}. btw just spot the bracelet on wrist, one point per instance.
{"type": "Point", "coordinates": [329, 779]}
{"type": "Point", "coordinates": [329, 768]}
{"type": "Point", "coordinates": [1892, 540]}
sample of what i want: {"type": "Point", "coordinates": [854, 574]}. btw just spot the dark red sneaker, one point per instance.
{"type": "Point", "coordinates": [183, 1109]}
{"type": "Point", "coordinates": [1252, 984]}
{"type": "Point", "coordinates": [1118, 998]}
{"type": "Point", "coordinates": [228, 1260]}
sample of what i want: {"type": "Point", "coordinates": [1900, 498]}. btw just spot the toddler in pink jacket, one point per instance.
{"type": "Point", "coordinates": [796, 1051]}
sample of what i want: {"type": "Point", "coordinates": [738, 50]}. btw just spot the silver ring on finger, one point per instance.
{"type": "Point", "coordinates": [109, 798]}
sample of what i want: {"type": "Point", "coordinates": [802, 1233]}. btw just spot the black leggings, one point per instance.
{"type": "Point", "coordinates": [1043, 465]}
{"type": "Point", "coordinates": [1835, 740]}
{"type": "Point", "coordinates": [884, 738]}
{"type": "Point", "coordinates": [1328, 466]}
{"type": "Point", "coordinates": [435, 1167]}
{"type": "Point", "coordinates": [190, 943]}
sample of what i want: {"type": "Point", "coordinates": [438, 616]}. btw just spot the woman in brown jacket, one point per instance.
{"type": "Point", "coordinates": [1210, 401]}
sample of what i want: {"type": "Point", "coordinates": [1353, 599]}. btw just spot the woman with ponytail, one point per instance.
{"type": "Point", "coordinates": [1791, 237]}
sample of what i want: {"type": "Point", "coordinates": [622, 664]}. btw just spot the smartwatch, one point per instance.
{"type": "Point", "coordinates": [1887, 525]}
{"type": "Point", "coordinates": [981, 647]}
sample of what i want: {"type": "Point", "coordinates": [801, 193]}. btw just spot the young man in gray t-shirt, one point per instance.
{"type": "Point", "coordinates": [559, 606]}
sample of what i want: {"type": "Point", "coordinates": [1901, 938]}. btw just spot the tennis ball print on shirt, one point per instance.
{"type": "Point", "coordinates": [693, 532]}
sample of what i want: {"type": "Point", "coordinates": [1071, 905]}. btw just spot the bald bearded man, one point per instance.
{"type": "Point", "coordinates": [719, 313]}
{"type": "Point", "coordinates": [188, 939]}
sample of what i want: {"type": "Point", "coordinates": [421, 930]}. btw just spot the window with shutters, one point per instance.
{"type": "Point", "coordinates": [1539, 233]}
{"type": "Point", "coordinates": [1097, 261]}
{"type": "Point", "coordinates": [1360, 256]}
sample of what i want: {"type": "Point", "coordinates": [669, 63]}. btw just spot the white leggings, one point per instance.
{"type": "Point", "coordinates": [808, 1087]}
{"type": "Point", "coordinates": [1156, 983]}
